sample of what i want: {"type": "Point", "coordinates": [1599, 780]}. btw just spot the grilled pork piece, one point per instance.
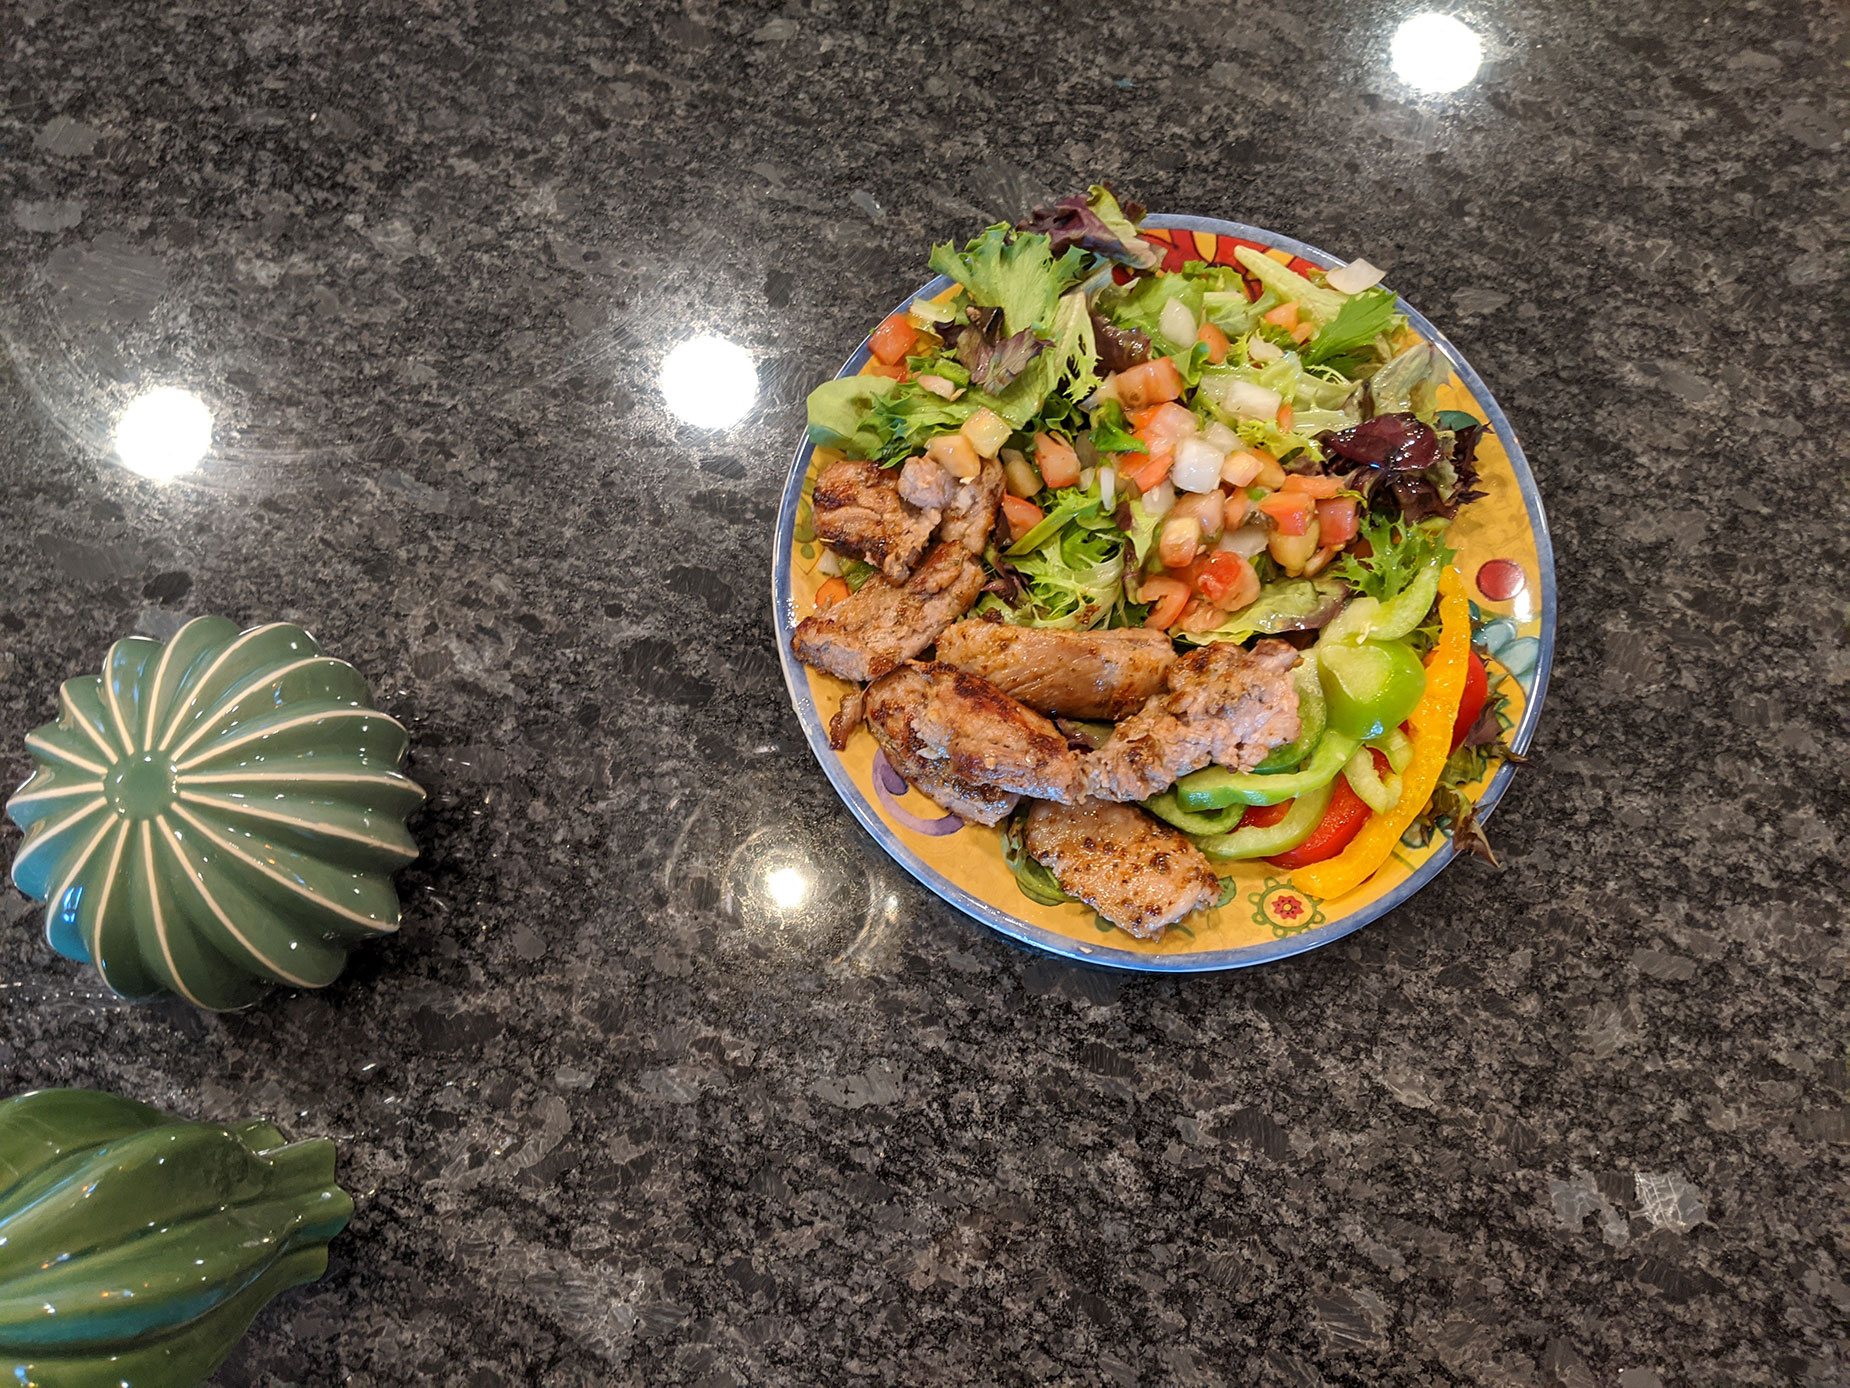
{"type": "Point", "coordinates": [1136, 872]}
{"type": "Point", "coordinates": [927, 485]}
{"type": "Point", "coordinates": [874, 630]}
{"type": "Point", "coordinates": [970, 517]}
{"type": "Point", "coordinates": [1064, 674]}
{"type": "Point", "coordinates": [971, 731]}
{"type": "Point", "coordinates": [974, 803]}
{"type": "Point", "coordinates": [858, 510]}
{"type": "Point", "coordinates": [1223, 704]}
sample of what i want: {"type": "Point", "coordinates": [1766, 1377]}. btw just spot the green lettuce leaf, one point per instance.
{"type": "Point", "coordinates": [1320, 303]}
{"type": "Point", "coordinates": [1398, 552]}
{"type": "Point", "coordinates": [1109, 431]}
{"type": "Point", "coordinates": [1070, 363]}
{"type": "Point", "coordinates": [1140, 304]}
{"type": "Point", "coordinates": [1013, 271]}
{"type": "Point", "coordinates": [1104, 205]}
{"type": "Point", "coordinates": [1292, 604]}
{"type": "Point", "coordinates": [1362, 318]}
{"type": "Point", "coordinates": [841, 414]}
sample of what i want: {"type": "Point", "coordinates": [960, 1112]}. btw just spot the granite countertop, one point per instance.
{"type": "Point", "coordinates": [613, 1117]}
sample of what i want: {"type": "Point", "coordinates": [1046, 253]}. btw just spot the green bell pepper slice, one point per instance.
{"type": "Point", "coordinates": [1313, 719]}
{"type": "Point", "coordinates": [1396, 746]}
{"type": "Point", "coordinates": [1167, 808]}
{"type": "Point", "coordinates": [1213, 787]}
{"type": "Point", "coordinates": [1256, 841]}
{"type": "Point", "coordinates": [1367, 619]}
{"type": "Point", "coordinates": [1380, 793]}
{"type": "Point", "coordinates": [1370, 687]}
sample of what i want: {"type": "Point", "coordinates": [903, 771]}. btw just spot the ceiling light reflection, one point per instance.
{"type": "Point", "coordinates": [1435, 53]}
{"type": "Point", "coordinates": [787, 887]}
{"type": "Point", "coordinates": [164, 433]}
{"type": "Point", "coordinates": [710, 382]}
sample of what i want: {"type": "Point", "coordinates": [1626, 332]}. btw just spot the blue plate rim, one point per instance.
{"type": "Point", "coordinates": [784, 620]}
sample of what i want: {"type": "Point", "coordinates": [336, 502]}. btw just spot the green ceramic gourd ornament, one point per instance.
{"type": "Point", "coordinates": [135, 1247]}
{"type": "Point", "coordinates": [215, 815]}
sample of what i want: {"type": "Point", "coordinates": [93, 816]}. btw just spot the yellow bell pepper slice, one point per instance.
{"type": "Point", "coordinates": [1431, 735]}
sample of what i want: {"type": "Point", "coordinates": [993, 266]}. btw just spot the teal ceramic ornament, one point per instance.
{"type": "Point", "coordinates": [215, 815]}
{"type": "Point", "coordinates": [136, 1247]}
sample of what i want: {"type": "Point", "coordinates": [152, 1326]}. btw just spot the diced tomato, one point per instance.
{"type": "Point", "coordinates": [1235, 510]}
{"type": "Point", "coordinates": [832, 592]}
{"type": "Point", "coordinates": [1151, 473]}
{"type": "Point", "coordinates": [879, 368]}
{"type": "Point", "coordinates": [1341, 822]}
{"type": "Point", "coordinates": [1318, 487]}
{"type": "Point", "coordinates": [1265, 816]}
{"type": "Point", "coordinates": [1336, 521]}
{"type": "Point", "coordinates": [1471, 702]}
{"type": "Point", "coordinates": [1022, 515]}
{"type": "Point", "coordinates": [1291, 512]}
{"type": "Point", "coordinates": [1284, 316]}
{"type": "Point", "coordinates": [1058, 463]}
{"type": "Point", "coordinates": [1218, 345]}
{"type": "Point", "coordinates": [1167, 596]}
{"type": "Point", "coordinates": [1149, 383]}
{"type": "Point", "coordinates": [1227, 580]}
{"type": "Point", "coordinates": [892, 340]}
{"type": "Point", "coordinates": [1167, 423]}
{"type": "Point", "coordinates": [1286, 417]}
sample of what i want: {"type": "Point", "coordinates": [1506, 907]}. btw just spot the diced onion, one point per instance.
{"type": "Point", "coordinates": [1354, 277]}
{"type": "Point", "coordinates": [1086, 475]}
{"type": "Point", "coordinates": [1178, 324]}
{"type": "Point", "coordinates": [1247, 541]}
{"type": "Point", "coordinates": [1250, 400]}
{"type": "Point", "coordinates": [931, 311]}
{"type": "Point", "coordinates": [937, 385]}
{"type": "Point", "coordinates": [829, 563]}
{"type": "Point", "coordinates": [1160, 498]}
{"type": "Point", "coordinates": [1258, 349]}
{"type": "Point", "coordinates": [1221, 437]}
{"type": "Point", "coordinates": [1197, 465]}
{"type": "Point", "coordinates": [1107, 487]}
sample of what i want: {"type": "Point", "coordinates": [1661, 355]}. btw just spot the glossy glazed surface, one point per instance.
{"type": "Point", "coordinates": [670, 1077]}
{"type": "Point", "coordinates": [135, 1247]}
{"type": "Point", "coordinates": [214, 815]}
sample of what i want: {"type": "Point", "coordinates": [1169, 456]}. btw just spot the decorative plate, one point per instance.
{"type": "Point", "coordinates": [1508, 567]}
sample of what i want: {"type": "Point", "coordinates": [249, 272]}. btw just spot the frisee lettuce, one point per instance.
{"type": "Point", "coordinates": [1070, 362]}
{"type": "Point", "coordinates": [1013, 271]}
{"type": "Point", "coordinates": [1397, 552]}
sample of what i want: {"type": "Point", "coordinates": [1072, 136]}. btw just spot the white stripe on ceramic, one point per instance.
{"type": "Point", "coordinates": [179, 713]}
{"type": "Point", "coordinates": [301, 889]}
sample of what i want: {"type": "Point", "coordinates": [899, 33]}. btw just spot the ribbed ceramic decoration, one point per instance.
{"type": "Point", "coordinates": [215, 815]}
{"type": "Point", "coordinates": [136, 1247]}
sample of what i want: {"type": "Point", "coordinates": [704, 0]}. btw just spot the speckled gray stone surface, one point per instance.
{"type": "Point", "coordinates": [610, 1116]}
